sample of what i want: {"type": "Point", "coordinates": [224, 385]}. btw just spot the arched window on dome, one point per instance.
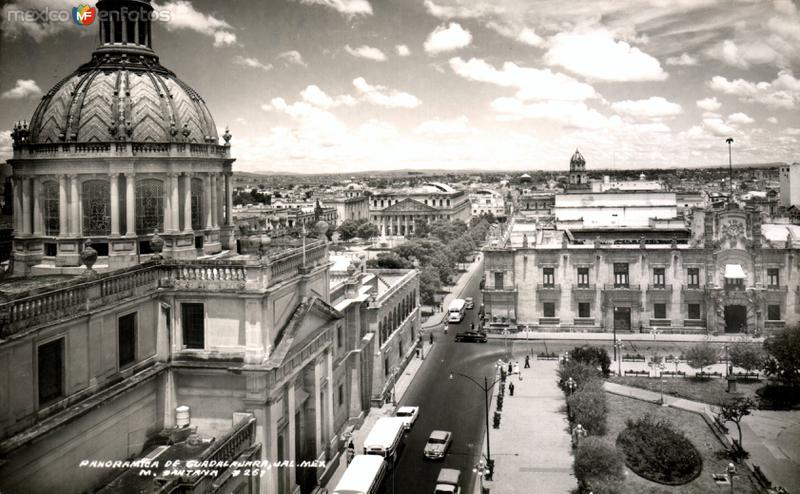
{"type": "Point", "coordinates": [50, 205]}
{"type": "Point", "coordinates": [149, 206]}
{"type": "Point", "coordinates": [96, 199]}
{"type": "Point", "coordinates": [197, 204]}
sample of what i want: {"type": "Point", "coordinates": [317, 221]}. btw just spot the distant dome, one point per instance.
{"type": "Point", "coordinates": [123, 93]}
{"type": "Point", "coordinates": [577, 159]}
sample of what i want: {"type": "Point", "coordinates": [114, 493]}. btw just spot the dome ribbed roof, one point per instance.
{"type": "Point", "coordinates": [122, 94]}
{"type": "Point", "coordinates": [577, 159]}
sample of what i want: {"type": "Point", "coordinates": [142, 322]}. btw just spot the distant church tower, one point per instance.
{"type": "Point", "coordinates": [577, 171]}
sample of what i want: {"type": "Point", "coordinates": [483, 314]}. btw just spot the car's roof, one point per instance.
{"type": "Point", "coordinates": [407, 409]}
{"type": "Point", "coordinates": [439, 434]}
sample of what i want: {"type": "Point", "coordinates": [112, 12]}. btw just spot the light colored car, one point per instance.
{"type": "Point", "coordinates": [438, 444]}
{"type": "Point", "coordinates": [410, 415]}
{"type": "Point", "coordinates": [470, 304]}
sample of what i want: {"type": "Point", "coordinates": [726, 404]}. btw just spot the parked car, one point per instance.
{"type": "Point", "coordinates": [448, 480]}
{"type": "Point", "coordinates": [470, 304]}
{"type": "Point", "coordinates": [438, 444]}
{"type": "Point", "coordinates": [410, 415]}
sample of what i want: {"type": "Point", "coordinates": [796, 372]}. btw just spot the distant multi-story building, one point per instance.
{"type": "Point", "coordinates": [625, 185]}
{"type": "Point", "coordinates": [790, 185]}
{"type": "Point", "coordinates": [396, 211]}
{"type": "Point", "coordinates": [487, 201]}
{"type": "Point", "coordinates": [578, 179]}
{"type": "Point", "coordinates": [734, 275]}
{"type": "Point", "coordinates": [350, 203]}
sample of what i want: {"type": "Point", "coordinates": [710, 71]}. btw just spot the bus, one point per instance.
{"type": "Point", "coordinates": [385, 438]}
{"type": "Point", "coordinates": [455, 312]}
{"type": "Point", "coordinates": [364, 475]}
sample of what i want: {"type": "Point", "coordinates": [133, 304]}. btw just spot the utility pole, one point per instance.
{"type": "Point", "coordinates": [729, 140]}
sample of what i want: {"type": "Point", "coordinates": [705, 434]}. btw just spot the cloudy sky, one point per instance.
{"type": "Point", "coordinates": [353, 85]}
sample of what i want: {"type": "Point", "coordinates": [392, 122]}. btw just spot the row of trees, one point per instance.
{"type": "Point", "coordinates": [360, 228]}
{"type": "Point", "coordinates": [434, 249]}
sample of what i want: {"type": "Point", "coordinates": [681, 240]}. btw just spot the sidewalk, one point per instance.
{"type": "Point", "coordinates": [437, 317]}
{"type": "Point", "coordinates": [772, 438]}
{"type": "Point", "coordinates": [532, 446]}
{"type": "Point", "coordinates": [609, 337]}
{"type": "Point", "coordinates": [387, 410]}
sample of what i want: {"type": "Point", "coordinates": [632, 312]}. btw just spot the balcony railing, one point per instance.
{"type": "Point", "coordinates": [584, 321]}
{"type": "Point", "coordinates": [548, 286]}
{"type": "Point", "coordinates": [589, 288]}
{"type": "Point", "coordinates": [660, 322]}
{"type": "Point", "coordinates": [659, 288]}
{"type": "Point", "coordinates": [618, 286]}
{"type": "Point", "coordinates": [549, 321]}
{"type": "Point", "coordinates": [777, 288]}
{"type": "Point", "coordinates": [692, 288]}
{"type": "Point", "coordinates": [71, 149]}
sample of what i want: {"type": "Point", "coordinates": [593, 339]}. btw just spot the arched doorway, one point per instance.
{"type": "Point", "coordinates": [735, 318]}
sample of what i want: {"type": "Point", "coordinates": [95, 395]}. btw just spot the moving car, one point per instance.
{"type": "Point", "coordinates": [410, 415]}
{"type": "Point", "coordinates": [469, 303]}
{"type": "Point", "coordinates": [447, 483]}
{"type": "Point", "coordinates": [455, 312]}
{"type": "Point", "coordinates": [438, 444]}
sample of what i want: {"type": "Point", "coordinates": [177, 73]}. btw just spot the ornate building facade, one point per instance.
{"type": "Point", "coordinates": [119, 149]}
{"type": "Point", "coordinates": [395, 212]}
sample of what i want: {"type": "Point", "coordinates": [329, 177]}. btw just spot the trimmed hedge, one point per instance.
{"type": "Point", "coordinates": [655, 450]}
{"type": "Point", "coordinates": [582, 373]}
{"type": "Point", "coordinates": [594, 356]}
{"type": "Point", "coordinates": [588, 408]}
{"type": "Point", "coordinates": [598, 467]}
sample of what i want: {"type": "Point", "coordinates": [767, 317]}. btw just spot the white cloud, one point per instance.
{"type": "Point", "coordinates": [783, 92]}
{"type": "Point", "coordinates": [447, 38]}
{"type": "Point", "coordinates": [367, 52]}
{"type": "Point", "coordinates": [314, 95]}
{"type": "Point", "coordinates": [717, 127]}
{"type": "Point", "coordinates": [532, 84]}
{"type": "Point", "coordinates": [709, 104]}
{"type": "Point", "coordinates": [181, 14]}
{"type": "Point", "coordinates": [772, 120]}
{"type": "Point", "coordinates": [573, 114]}
{"type": "Point", "coordinates": [743, 55]}
{"type": "Point", "coordinates": [464, 10]}
{"type": "Point", "coordinates": [24, 88]}
{"type": "Point", "coordinates": [653, 107]}
{"type": "Point", "coordinates": [253, 63]}
{"type": "Point", "coordinates": [524, 35]}
{"type": "Point", "coordinates": [792, 131]}
{"type": "Point", "coordinates": [683, 59]}
{"type": "Point", "coordinates": [529, 37]}
{"type": "Point", "coordinates": [14, 22]}
{"type": "Point", "coordinates": [292, 57]}
{"type": "Point", "coordinates": [6, 145]}
{"type": "Point", "coordinates": [383, 96]}
{"type": "Point", "coordinates": [402, 50]}
{"type": "Point", "coordinates": [740, 118]}
{"type": "Point", "coordinates": [458, 125]}
{"type": "Point", "coordinates": [597, 55]}
{"type": "Point", "coordinates": [350, 8]}
{"type": "Point", "coordinates": [315, 126]}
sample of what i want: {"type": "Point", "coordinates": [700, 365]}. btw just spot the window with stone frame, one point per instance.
{"type": "Point", "coordinates": [126, 337]}
{"type": "Point", "coordinates": [694, 311]}
{"type": "Point", "coordinates": [583, 277]}
{"type": "Point", "coordinates": [549, 277]}
{"type": "Point", "coordinates": [149, 206]}
{"type": "Point", "coordinates": [549, 309]}
{"type": "Point", "coordinates": [197, 204]}
{"type": "Point", "coordinates": [96, 201]}
{"type": "Point", "coordinates": [584, 309]}
{"type": "Point", "coordinates": [660, 311]}
{"type": "Point", "coordinates": [621, 277]}
{"type": "Point", "coordinates": [774, 312]}
{"type": "Point", "coordinates": [50, 371]}
{"type": "Point", "coordinates": [693, 277]}
{"type": "Point", "coordinates": [659, 277]}
{"type": "Point", "coordinates": [498, 281]}
{"type": "Point", "coordinates": [51, 201]}
{"type": "Point", "coordinates": [773, 277]}
{"type": "Point", "coordinates": [193, 321]}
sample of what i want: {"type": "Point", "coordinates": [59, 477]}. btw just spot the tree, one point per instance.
{"type": "Point", "coordinates": [748, 356]}
{"type": "Point", "coordinates": [421, 228]}
{"type": "Point", "coordinates": [702, 355]}
{"type": "Point", "coordinates": [735, 410]}
{"type": "Point", "coordinates": [592, 355]}
{"type": "Point", "coordinates": [429, 284]}
{"type": "Point", "coordinates": [367, 230]}
{"type": "Point", "coordinates": [388, 260]}
{"type": "Point", "coordinates": [598, 466]}
{"type": "Point", "coordinates": [783, 360]}
{"type": "Point", "coordinates": [348, 229]}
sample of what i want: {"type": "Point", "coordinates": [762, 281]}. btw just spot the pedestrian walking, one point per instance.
{"type": "Point", "coordinates": [351, 451]}
{"type": "Point", "coordinates": [527, 361]}
{"type": "Point", "coordinates": [510, 368]}
{"type": "Point", "coordinates": [431, 336]}
{"type": "Point", "coordinates": [511, 389]}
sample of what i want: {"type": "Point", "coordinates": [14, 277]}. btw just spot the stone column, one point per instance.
{"type": "Point", "coordinates": [174, 203]}
{"type": "Point", "coordinates": [187, 202]}
{"type": "Point", "coordinates": [229, 200]}
{"type": "Point", "coordinates": [130, 204]}
{"type": "Point", "coordinates": [220, 200]}
{"type": "Point", "coordinates": [38, 218]}
{"type": "Point", "coordinates": [75, 207]}
{"type": "Point", "coordinates": [16, 184]}
{"type": "Point", "coordinates": [26, 206]}
{"type": "Point", "coordinates": [62, 206]}
{"type": "Point", "coordinates": [214, 210]}
{"type": "Point", "coordinates": [208, 207]}
{"type": "Point", "coordinates": [114, 179]}
{"type": "Point", "coordinates": [167, 206]}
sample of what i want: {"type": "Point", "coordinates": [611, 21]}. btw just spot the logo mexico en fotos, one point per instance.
{"type": "Point", "coordinates": [83, 15]}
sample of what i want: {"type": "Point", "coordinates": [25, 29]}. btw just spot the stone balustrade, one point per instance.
{"type": "Point", "coordinates": [155, 149]}
{"type": "Point", "coordinates": [68, 299]}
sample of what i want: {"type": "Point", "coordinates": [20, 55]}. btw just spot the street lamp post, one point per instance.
{"type": "Point", "coordinates": [571, 385]}
{"type": "Point", "coordinates": [486, 388]}
{"type": "Point", "coordinates": [482, 471]}
{"type": "Point", "coordinates": [618, 346]}
{"type": "Point", "coordinates": [661, 367]}
{"type": "Point", "coordinates": [731, 471]}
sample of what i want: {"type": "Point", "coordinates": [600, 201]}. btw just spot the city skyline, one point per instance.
{"type": "Point", "coordinates": [320, 86]}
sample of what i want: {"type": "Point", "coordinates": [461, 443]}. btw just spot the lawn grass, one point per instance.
{"type": "Point", "coordinates": [712, 390]}
{"type": "Point", "coordinates": [696, 430]}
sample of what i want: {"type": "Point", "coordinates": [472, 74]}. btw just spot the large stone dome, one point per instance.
{"type": "Point", "coordinates": [113, 98]}
{"type": "Point", "coordinates": [122, 94]}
